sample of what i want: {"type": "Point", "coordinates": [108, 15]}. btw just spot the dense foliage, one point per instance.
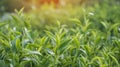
{"type": "Point", "coordinates": [65, 37]}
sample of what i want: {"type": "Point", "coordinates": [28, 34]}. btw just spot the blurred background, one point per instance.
{"type": "Point", "coordinates": [10, 5]}
{"type": "Point", "coordinates": [44, 12]}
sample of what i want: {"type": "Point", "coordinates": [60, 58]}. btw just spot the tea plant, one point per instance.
{"type": "Point", "coordinates": [85, 42]}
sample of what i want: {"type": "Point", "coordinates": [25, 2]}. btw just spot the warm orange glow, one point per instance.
{"type": "Point", "coordinates": [48, 1]}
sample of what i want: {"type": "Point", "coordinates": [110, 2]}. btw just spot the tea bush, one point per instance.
{"type": "Point", "coordinates": [88, 37]}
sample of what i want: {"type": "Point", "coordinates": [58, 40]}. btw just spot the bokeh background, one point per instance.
{"type": "Point", "coordinates": [10, 5]}
{"type": "Point", "coordinates": [47, 12]}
